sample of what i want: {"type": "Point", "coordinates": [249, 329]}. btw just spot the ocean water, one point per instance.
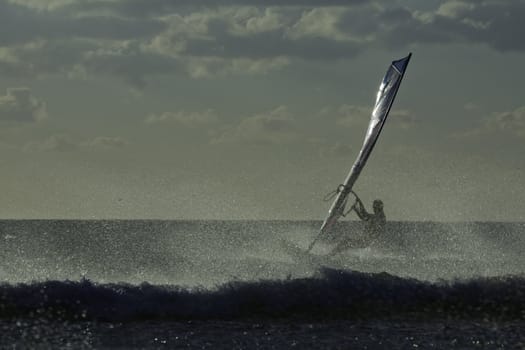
{"type": "Point", "coordinates": [234, 284]}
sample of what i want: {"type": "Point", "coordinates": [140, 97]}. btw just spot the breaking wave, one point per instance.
{"type": "Point", "coordinates": [330, 294]}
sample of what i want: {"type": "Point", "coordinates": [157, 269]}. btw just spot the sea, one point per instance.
{"type": "Point", "coordinates": [156, 284]}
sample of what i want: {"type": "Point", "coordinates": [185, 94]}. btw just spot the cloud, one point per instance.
{"type": "Point", "coordinates": [276, 126]}
{"type": "Point", "coordinates": [403, 118]}
{"type": "Point", "coordinates": [351, 116]}
{"type": "Point", "coordinates": [213, 67]}
{"type": "Point", "coordinates": [107, 142]}
{"type": "Point", "coordinates": [495, 23]}
{"type": "Point", "coordinates": [66, 143]}
{"type": "Point", "coordinates": [318, 23]}
{"type": "Point", "coordinates": [18, 105]}
{"type": "Point", "coordinates": [507, 123]}
{"type": "Point", "coordinates": [336, 150]}
{"type": "Point", "coordinates": [232, 33]}
{"type": "Point", "coordinates": [199, 42]}
{"type": "Point", "coordinates": [140, 8]}
{"type": "Point", "coordinates": [471, 107]}
{"type": "Point", "coordinates": [490, 22]}
{"type": "Point", "coordinates": [187, 119]}
{"type": "Point", "coordinates": [134, 61]}
{"type": "Point", "coordinates": [57, 143]}
{"type": "Point", "coordinates": [42, 5]}
{"type": "Point", "coordinates": [136, 40]}
{"type": "Point", "coordinates": [82, 59]}
{"type": "Point", "coordinates": [20, 24]}
{"type": "Point", "coordinates": [512, 122]}
{"type": "Point", "coordinates": [128, 60]}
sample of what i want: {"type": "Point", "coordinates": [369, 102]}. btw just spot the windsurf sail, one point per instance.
{"type": "Point", "coordinates": [385, 97]}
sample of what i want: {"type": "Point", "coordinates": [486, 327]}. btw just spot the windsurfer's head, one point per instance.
{"type": "Point", "coordinates": [378, 206]}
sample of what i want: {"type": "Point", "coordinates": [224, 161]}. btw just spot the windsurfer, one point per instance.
{"type": "Point", "coordinates": [375, 222]}
{"type": "Point", "coordinates": [374, 227]}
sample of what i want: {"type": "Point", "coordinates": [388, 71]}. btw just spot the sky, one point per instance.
{"type": "Point", "coordinates": [251, 109]}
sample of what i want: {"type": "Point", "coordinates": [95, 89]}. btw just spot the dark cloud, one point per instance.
{"type": "Point", "coordinates": [502, 24]}
{"type": "Point", "coordinates": [498, 24]}
{"type": "Point", "coordinates": [140, 8]}
{"type": "Point", "coordinates": [270, 44]}
{"type": "Point", "coordinates": [395, 15]}
{"type": "Point", "coordinates": [130, 63]}
{"type": "Point", "coordinates": [355, 29]}
{"type": "Point", "coordinates": [16, 23]}
{"type": "Point", "coordinates": [20, 24]}
{"type": "Point", "coordinates": [360, 22]}
{"type": "Point", "coordinates": [118, 38]}
{"type": "Point", "coordinates": [48, 57]}
{"type": "Point", "coordinates": [85, 58]}
{"type": "Point", "coordinates": [258, 34]}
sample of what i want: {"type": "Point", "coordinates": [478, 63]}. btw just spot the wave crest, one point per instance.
{"type": "Point", "coordinates": [330, 294]}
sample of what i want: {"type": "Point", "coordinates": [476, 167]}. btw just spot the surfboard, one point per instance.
{"type": "Point", "coordinates": [301, 255]}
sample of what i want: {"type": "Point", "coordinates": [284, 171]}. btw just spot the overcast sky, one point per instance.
{"type": "Point", "coordinates": [252, 109]}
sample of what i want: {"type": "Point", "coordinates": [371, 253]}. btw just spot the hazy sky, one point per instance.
{"type": "Point", "coordinates": [252, 109]}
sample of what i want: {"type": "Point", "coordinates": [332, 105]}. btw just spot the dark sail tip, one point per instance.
{"type": "Point", "coordinates": [401, 65]}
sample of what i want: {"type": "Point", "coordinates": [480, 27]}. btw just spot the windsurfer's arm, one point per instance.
{"type": "Point", "coordinates": [360, 210]}
{"type": "Point", "coordinates": [358, 201]}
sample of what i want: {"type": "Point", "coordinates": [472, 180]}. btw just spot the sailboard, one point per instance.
{"type": "Point", "coordinates": [384, 100]}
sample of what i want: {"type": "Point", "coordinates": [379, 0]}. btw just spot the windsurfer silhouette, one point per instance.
{"type": "Point", "coordinates": [374, 226]}
{"type": "Point", "coordinates": [374, 223]}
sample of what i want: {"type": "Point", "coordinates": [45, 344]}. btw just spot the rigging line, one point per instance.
{"type": "Point", "coordinates": [330, 195]}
